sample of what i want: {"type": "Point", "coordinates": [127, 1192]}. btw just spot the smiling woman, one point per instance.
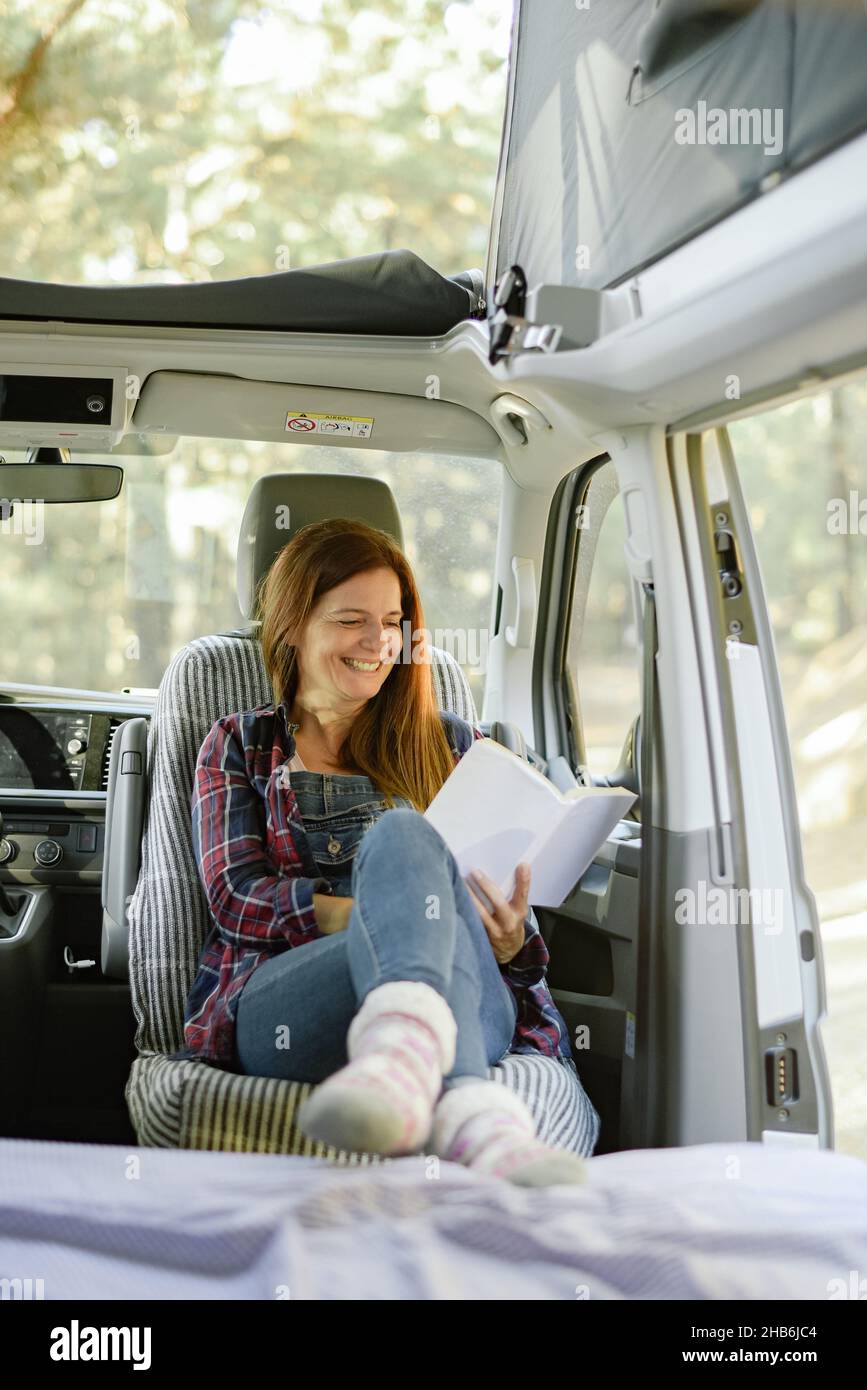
{"type": "Point", "coordinates": [322, 723]}
{"type": "Point", "coordinates": [336, 595]}
{"type": "Point", "coordinates": [397, 1006]}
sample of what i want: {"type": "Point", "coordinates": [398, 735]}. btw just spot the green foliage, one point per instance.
{"type": "Point", "coordinates": [793, 462]}
{"type": "Point", "coordinates": [162, 140]}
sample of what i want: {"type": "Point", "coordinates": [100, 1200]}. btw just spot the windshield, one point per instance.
{"type": "Point", "coordinates": [100, 596]}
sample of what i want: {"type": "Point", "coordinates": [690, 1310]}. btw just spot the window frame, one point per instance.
{"type": "Point", "coordinates": [567, 701]}
{"type": "Point", "coordinates": [554, 704]}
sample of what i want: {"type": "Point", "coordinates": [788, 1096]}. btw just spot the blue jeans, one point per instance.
{"type": "Point", "coordinates": [412, 919]}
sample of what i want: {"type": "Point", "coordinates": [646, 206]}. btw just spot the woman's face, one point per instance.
{"type": "Point", "coordinates": [357, 621]}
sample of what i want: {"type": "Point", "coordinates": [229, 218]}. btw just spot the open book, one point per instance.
{"type": "Point", "coordinates": [496, 810]}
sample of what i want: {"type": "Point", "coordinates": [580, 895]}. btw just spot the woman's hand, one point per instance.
{"type": "Point", "coordinates": [504, 921]}
{"type": "Point", "coordinates": [332, 913]}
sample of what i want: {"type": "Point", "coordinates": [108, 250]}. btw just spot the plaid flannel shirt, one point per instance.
{"type": "Point", "coordinates": [259, 876]}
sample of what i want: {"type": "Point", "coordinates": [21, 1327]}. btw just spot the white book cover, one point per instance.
{"type": "Point", "coordinates": [496, 810]}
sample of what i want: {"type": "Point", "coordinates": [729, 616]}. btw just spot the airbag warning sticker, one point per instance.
{"type": "Point", "coordinates": [310, 422]}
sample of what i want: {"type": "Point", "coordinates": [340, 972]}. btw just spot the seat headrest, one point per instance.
{"type": "Point", "coordinates": [281, 503]}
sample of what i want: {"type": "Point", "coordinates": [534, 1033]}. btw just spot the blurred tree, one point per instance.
{"type": "Point", "coordinates": [217, 138]}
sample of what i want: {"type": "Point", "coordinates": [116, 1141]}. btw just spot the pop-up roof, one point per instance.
{"type": "Point", "coordinates": [634, 124]}
{"type": "Point", "coordinates": [392, 292]}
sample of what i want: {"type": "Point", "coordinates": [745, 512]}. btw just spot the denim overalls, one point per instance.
{"type": "Point", "coordinates": [337, 809]}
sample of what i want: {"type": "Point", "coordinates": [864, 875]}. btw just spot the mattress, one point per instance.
{"type": "Point", "coordinates": [715, 1221]}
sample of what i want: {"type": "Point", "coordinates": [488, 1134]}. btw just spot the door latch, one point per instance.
{"type": "Point", "coordinates": [739, 625]}
{"type": "Point", "coordinates": [728, 563]}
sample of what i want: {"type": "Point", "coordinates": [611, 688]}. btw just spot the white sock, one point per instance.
{"type": "Point", "coordinates": [489, 1129]}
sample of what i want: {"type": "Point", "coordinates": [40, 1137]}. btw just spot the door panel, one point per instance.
{"type": "Point", "coordinates": [690, 949]}
{"type": "Point", "coordinates": [768, 902]}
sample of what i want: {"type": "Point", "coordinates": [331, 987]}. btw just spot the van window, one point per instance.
{"type": "Point", "coordinates": [100, 596]}
{"type": "Point", "coordinates": [803, 472]}
{"type": "Point", "coordinates": [603, 653]}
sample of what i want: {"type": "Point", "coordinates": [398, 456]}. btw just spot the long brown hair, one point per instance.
{"type": "Point", "coordinates": [398, 738]}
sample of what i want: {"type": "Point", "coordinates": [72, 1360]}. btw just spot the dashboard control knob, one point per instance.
{"type": "Point", "coordinates": [8, 850]}
{"type": "Point", "coordinates": [76, 745]}
{"type": "Point", "coordinates": [48, 852]}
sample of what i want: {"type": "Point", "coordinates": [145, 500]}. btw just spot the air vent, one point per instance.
{"type": "Point", "coordinates": [114, 725]}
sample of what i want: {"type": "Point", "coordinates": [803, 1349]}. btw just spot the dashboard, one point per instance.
{"type": "Point", "coordinates": [54, 763]}
{"type": "Point", "coordinates": [44, 749]}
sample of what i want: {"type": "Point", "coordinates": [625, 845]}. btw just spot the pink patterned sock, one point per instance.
{"type": "Point", "coordinates": [382, 1102]}
{"type": "Point", "coordinates": [489, 1129]}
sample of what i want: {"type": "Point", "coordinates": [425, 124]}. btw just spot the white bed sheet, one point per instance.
{"type": "Point", "coordinates": [716, 1221]}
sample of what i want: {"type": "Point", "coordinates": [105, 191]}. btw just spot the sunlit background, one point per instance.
{"type": "Point", "coordinates": [154, 140]}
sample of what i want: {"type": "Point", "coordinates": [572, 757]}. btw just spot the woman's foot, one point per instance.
{"type": "Point", "coordinates": [400, 1043]}
{"type": "Point", "coordinates": [488, 1128]}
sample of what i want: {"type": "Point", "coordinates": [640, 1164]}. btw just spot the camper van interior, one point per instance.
{"type": "Point", "coordinates": [623, 452]}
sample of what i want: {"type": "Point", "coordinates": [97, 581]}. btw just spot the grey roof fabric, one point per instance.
{"type": "Point", "coordinates": [392, 292]}
{"type": "Point", "coordinates": [595, 182]}
{"type": "Point", "coordinates": [189, 1104]}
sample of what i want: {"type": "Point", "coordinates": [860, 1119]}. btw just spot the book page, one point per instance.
{"type": "Point", "coordinates": [567, 853]}
{"type": "Point", "coordinates": [495, 810]}
{"type": "Point", "coordinates": [492, 810]}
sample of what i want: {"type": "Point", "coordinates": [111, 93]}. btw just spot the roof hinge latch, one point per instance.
{"type": "Point", "coordinates": [545, 319]}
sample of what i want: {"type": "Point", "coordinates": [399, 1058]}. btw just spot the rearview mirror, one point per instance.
{"type": "Point", "coordinates": [59, 482]}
